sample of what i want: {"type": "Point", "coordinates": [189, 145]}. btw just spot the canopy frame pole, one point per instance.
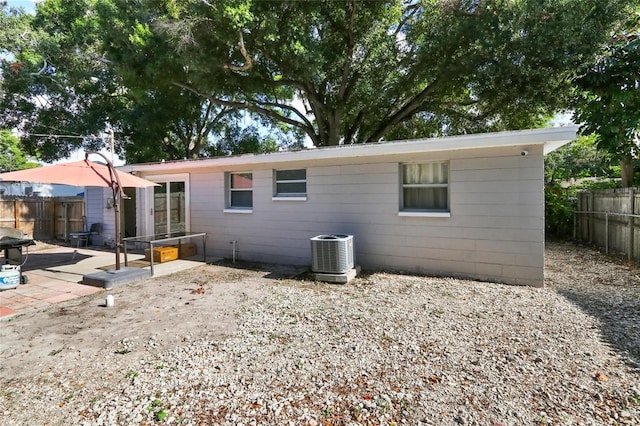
{"type": "Point", "coordinates": [118, 193]}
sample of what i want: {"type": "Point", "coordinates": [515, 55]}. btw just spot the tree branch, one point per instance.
{"type": "Point", "coordinates": [353, 129]}
{"type": "Point", "coordinates": [411, 11]}
{"type": "Point", "coordinates": [224, 111]}
{"type": "Point", "coordinates": [404, 113]}
{"type": "Point", "coordinates": [346, 68]}
{"type": "Point", "coordinates": [36, 74]}
{"type": "Point", "coordinates": [248, 64]}
{"type": "Point", "coordinates": [305, 124]}
{"type": "Point", "coordinates": [302, 117]}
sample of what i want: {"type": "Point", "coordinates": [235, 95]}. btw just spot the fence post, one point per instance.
{"type": "Point", "coordinates": [16, 214]}
{"type": "Point", "coordinates": [52, 219]}
{"type": "Point", "coordinates": [66, 222]}
{"type": "Point", "coordinates": [631, 222]}
{"type": "Point", "coordinates": [606, 232]}
{"type": "Point", "coordinates": [590, 217]}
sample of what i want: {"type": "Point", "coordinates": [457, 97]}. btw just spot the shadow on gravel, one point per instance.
{"type": "Point", "coordinates": [619, 317]}
{"type": "Point", "coordinates": [270, 270]}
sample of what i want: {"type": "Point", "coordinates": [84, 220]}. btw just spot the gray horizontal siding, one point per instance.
{"type": "Point", "coordinates": [479, 198]}
{"type": "Point", "coordinates": [97, 212]}
{"type": "Point", "coordinates": [495, 231]}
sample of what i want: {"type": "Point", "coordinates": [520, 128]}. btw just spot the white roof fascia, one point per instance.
{"type": "Point", "coordinates": [551, 138]}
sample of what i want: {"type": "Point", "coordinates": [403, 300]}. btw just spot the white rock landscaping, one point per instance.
{"type": "Point", "coordinates": [253, 347]}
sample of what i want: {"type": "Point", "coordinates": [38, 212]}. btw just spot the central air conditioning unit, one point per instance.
{"type": "Point", "coordinates": [332, 254]}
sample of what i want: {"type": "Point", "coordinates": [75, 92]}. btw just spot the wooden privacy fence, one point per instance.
{"type": "Point", "coordinates": [610, 219]}
{"type": "Point", "coordinates": [43, 218]}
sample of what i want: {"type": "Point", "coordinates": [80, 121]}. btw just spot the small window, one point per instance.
{"type": "Point", "coordinates": [240, 190]}
{"type": "Point", "coordinates": [425, 187]}
{"type": "Point", "coordinates": [290, 183]}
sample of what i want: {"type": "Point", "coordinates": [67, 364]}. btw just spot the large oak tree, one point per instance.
{"type": "Point", "coordinates": [372, 70]}
{"type": "Point", "coordinates": [344, 71]}
{"type": "Point", "coordinates": [64, 89]}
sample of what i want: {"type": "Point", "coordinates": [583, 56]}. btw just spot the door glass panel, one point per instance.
{"type": "Point", "coordinates": [160, 209]}
{"type": "Point", "coordinates": [177, 222]}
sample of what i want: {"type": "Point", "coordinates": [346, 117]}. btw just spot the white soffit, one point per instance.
{"type": "Point", "coordinates": [551, 138]}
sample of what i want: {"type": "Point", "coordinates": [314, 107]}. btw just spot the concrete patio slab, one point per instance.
{"type": "Point", "coordinates": [55, 275]}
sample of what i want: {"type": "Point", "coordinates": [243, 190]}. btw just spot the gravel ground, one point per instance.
{"type": "Point", "coordinates": [385, 349]}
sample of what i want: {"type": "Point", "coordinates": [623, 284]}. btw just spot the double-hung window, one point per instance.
{"type": "Point", "coordinates": [425, 188]}
{"type": "Point", "coordinates": [290, 184]}
{"type": "Point", "coordinates": [239, 190]}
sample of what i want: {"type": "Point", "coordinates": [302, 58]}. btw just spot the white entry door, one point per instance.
{"type": "Point", "coordinates": [170, 201]}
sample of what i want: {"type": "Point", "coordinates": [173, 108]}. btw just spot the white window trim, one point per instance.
{"type": "Point", "coordinates": [426, 212]}
{"type": "Point", "coordinates": [229, 190]}
{"type": "Point", "coordinates": [237, 210]}
{"type": "Point", "coordinates": [294, 196]}
{"type": "Point", "coordinates": [284, 198]}
{"type": "Point", "coordinates": [426, 185]}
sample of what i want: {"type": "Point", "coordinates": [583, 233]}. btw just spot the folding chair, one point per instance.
{"type": "Point", "coordinates": [85, 237]}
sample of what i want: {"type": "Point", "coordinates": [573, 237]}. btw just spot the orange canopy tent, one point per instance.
{"type": "Point", "coordinates": [85, 173]}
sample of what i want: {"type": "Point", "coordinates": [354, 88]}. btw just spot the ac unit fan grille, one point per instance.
{"type": "Point", "coordinates": [332, 254]}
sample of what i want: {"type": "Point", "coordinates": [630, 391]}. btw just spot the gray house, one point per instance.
{"type": "Point", "coordinates": [470, 206]}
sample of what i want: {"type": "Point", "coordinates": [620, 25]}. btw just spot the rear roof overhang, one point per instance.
{"type": "Point", "coordinates": [550, 138]}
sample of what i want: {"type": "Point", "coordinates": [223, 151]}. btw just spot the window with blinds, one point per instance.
{"type": "Point", "coordinates": [425, 187]}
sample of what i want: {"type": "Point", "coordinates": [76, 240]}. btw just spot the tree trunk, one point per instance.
{"type": "Point", "coordinates": [334, 128]}
{"type": "Point", "coordinates": [626, 171]}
